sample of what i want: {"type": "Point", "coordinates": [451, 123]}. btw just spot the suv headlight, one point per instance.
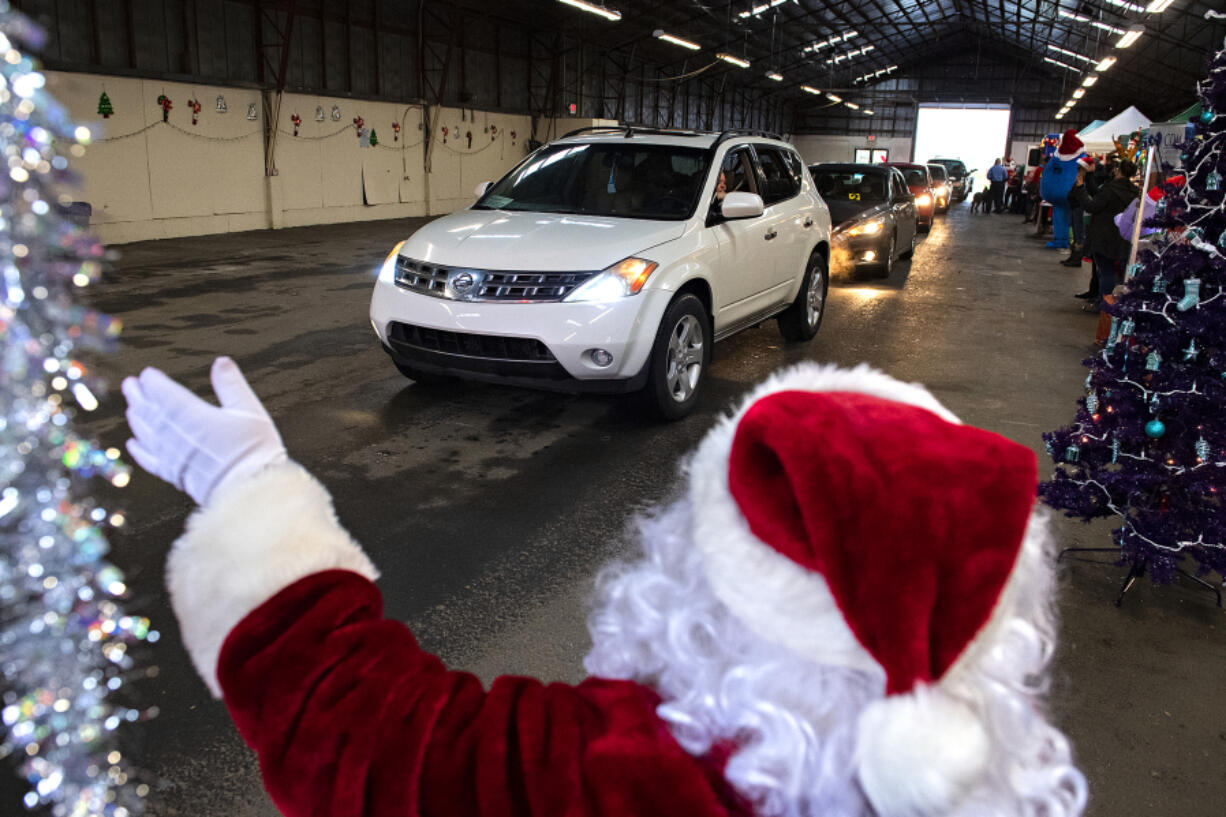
{"type": "Point", "coordinates": [624, 278]}
{"type": "Point", "coordinates": [923, 199]}
{"type": "Point", "coordinates": [868, 228]}
{"type": "Point", "coordinates": [387, 272]}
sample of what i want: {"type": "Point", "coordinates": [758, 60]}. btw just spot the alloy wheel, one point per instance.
{"type": "Point", "coordinates": [815, 297]}
{"type": "Point", "coordinates": [685, 355]}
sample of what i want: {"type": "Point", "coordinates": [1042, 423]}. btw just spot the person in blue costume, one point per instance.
{"type": "Point", "coordinates": [1057, 182]}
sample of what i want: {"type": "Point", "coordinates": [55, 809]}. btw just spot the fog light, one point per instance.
{"type": "Point", "coordinates": [601, 358]}
{"type": "Point", "coordinates": [870, 256]}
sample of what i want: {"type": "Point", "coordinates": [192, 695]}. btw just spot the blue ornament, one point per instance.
{"type": "Point", "coordinates": [1191, 352]}
{"type": "Point", "coordinates": [1160, 284]}
{"type": "Point", "coordinates": [1153, 361]}
{"type": "Point", "coordinates": [1155, 429]}
{"type": "Point", "coordinates": [1153, 404]}
{"type": "Point", "coordinates": [1114, 337]}
{"type": "Point", "coordinates": [1214, 181]}
{"type": "Point", "coordinates": [1115, 449]}
{"type": "Point", "coordinates": [1202, 450]}
{"type": "Point", "coordinates": [1091, 402]}
{"type": "Point", "coordinates": [1072, 454]}
{"type": "Point", "coordinates": [1127, 327]}
{"type": "Point", "coordinates": [1207, 116]}
{"type": "Point", "coordinates": [1133, 269]}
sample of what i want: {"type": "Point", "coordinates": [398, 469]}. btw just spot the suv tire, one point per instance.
{"type": "Point", "coordinates": [680, 356]}
{"type": "Point", "coordinates": [800, 321]}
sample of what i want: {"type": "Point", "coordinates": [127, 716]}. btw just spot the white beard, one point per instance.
{"type": "Point", "coordinates": [657, 622]}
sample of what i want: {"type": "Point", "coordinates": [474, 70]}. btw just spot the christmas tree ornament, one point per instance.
{"type": "Point", "coordinates": [395, 131]}
{"type": "Point", "coordinates": [1072, 454]}
{"type": "Point", "coordinates": [1191, 295]}
{"type": "Point", "coordinates": [1089, 381]}
{"type": "Point", "coordinates": [1159, 284]}
{"type": "Point", "coordinates": [1213, 181]}
{"type": "Point", "coordinates": [1115, 449]}
{"type": "Point", "coordinates": [104, 106]}
{"type": "Point", "coordinates": [374, 138]}
{"type": "Point", "coordinates": [1133, 269]}
{"type": "Point", "coordinates": [1152, 361]}
{"type": "Point", "coordinates": [1114, 336]}
{"type": "Point", "coordinates": [336, 113]}
{"type": "Point", "coordinates": [297, 120]}
{"type": "Point", "coordinates": [166, 104]}
{"type": "Point", "coordinates": [1127, 328]}
{"type": "Point", "coordinates": [1153, 404]}
{"type": "Point", "coordinates": [1202, 450]}
{"type": "Point", "coordinates": [1207, 116]}
{"type": "Point", "coordinates": [319, 113]}
{"type": "Point", "coordinates": [1155, 429]}
{"type": "Point", "coordinates": [221, 104]}
{"type": "Point", "coordinates": [1160, 207]}
{"type": "Point", "coordinates": [1091, 402]}
{"type": "Point", "coordinates": [194, 106]}
{"type": "Point", "coordinates": [1189, 354]}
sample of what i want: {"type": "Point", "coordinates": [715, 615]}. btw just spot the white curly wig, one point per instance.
{"type": "Point", "coordinates": [819, 737]}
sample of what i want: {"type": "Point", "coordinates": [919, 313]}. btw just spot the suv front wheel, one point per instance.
{"type": "Point", "coordinates": [679, 359]}
{"type": "Point", "coordinates": [800, 321]}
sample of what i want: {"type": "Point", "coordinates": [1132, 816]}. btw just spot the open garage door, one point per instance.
{"type": "Point", "coordinates": [976, 134]}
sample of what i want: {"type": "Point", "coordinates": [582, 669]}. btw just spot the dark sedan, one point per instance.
{"type": "Point", "coordinates": [873, 212]}
{"type": "Point", "coordinates": [919, 181]}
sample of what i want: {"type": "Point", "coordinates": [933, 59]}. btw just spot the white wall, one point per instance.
{"type": "Point", "coordinates": [148, 179]}
{"type": "Point", "coordinates": [843, 148]}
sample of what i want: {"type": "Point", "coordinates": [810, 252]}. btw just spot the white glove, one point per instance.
{"type": "Point", "coordinates": [196, 446]}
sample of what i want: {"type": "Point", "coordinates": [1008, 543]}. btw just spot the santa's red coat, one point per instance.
{"type": "Point", "coordinates": [349, 716]}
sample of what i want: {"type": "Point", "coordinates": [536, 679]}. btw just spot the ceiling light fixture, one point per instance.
{"type": "Point", "coordinates": [1062, 65]}
{"type": "Point", "coordinates": [737, 61]}
{"type": "Point", "coordinates": [1089, 81]}
{"type": "Point", "coordinates": [834, 98]}
{"type": "Point", "coordinates": [809, 89]}
{"type": "Point", "coordinates": [1079, 93]}
{"type": "Point", "coordinates": [1070, 104]}
{"type": "Point", "coordinates": [837, 38]}
{"type": "Point", "coordinates": [1106, 27]}
{"type": "Point", "coordinates": [1070, 53]}
{"type": "Point", "coordinates": [1104, 64]}
{"type": "Point", "coordinates": [867, 112]}
{"type": "Point", "coordinates": [1131, 36]}
{"type": "Point", "coordinates": [1124, 4]}
{"type": "Point", "coordinates": [608, 14]}
{"type": "Point", "coordinates": [848, 55]}
{"type": "Point", "coordinates": [1081, 18]}
{"type": "Point", "coordinates": [1158, 6]}
{"type": "Point", "coordinates": [756, 10]}
{"type": "Point", "coordinates": [1060, 115]}
{"type": "Point", "coordinates": [852, 105]}
{"type": "Point", "coordinates": [669, 38]}
{"type": "Point", "coordinates": [777, 77]}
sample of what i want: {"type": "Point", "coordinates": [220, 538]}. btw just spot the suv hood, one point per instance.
{"type": "Point", "coordinates": [501, 240]}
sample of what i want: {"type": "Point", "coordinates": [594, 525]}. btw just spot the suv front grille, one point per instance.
{"type": "Point", "coordinates": [465, 344]}
{"type": "Point", "coordinates": [488, 285]}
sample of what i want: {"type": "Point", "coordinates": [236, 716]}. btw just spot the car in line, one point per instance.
{"type": "Point", "coordinates": [919, 182]}
{"type": "Point", "coordinates": [959, 178]}
{"type": "Point", "coordinates": [873, 212]}
{"type": "Point", "coordinates": [941, 190]}
{"type": "Point", "coordinates": [611, 260]}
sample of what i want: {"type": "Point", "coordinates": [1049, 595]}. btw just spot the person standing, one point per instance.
{"type": "Point", "coordinates": [996, 190]}
{"type": "Point", "coordinates": [1107, 247]}
{"type": "Point", "coordinates": [1078, 217]}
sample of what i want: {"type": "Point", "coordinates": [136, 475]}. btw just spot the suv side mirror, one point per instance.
{"type": "Point", "coordinates": [742, 205]}
{"type": "Point", "coordinates": [481, 188]}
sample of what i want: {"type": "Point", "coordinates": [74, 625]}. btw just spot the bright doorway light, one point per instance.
{"type": "Point", "coordinates": [977, 136]}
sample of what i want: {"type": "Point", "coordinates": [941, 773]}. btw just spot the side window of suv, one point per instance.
{"type": "Point", "coordinates": [737, 173]}
{"type": "Point", "coordinates": [778, 181]}
{"type": "Point", "coordinates": [795, 166]}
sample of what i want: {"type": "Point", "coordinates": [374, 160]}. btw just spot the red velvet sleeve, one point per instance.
{"type": "Point", "coordinates": [350, 717]}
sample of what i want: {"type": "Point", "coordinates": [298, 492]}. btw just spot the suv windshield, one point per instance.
{"type": "Point", "coordinates": [604, 179]}
{"type": "Point", "coordinates": [938, 172]}
{"type": "Point", "coordinates": [956, 168]}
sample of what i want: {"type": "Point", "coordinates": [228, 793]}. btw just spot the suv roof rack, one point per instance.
{"type": "Point", "coordinates": [632, 128]}
{"type": "Point", "coordinates": [733, 132]}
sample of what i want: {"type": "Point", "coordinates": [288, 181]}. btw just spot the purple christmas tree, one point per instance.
{"type": "Point", "coordinates": [1148, 445]}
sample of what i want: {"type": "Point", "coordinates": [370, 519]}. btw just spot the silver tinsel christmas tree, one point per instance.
{"type": "Point", "coordinates": [64, 636]}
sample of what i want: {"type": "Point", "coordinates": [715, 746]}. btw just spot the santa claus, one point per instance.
{"type": "Point", "coordinates": [846, 613]}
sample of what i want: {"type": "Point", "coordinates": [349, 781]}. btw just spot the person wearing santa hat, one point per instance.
{"type": "Point", "coordinates": [1059, 177]}
{"type": "Point", "coordinates": [845, 611]}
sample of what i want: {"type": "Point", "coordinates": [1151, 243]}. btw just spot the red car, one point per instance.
{"type": "Point", "coordinates": [919, 182]}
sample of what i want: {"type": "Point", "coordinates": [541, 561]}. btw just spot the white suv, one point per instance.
{"type": "Point", "coordinates": [609, 261]}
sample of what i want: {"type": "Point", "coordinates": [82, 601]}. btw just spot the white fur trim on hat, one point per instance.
{"type": "Point", "coordinates": [776, 598]}
{"type": "Point", "coordinates": [255, 538]}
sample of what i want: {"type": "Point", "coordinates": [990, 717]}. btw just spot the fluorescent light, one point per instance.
{"type": "Point", "coordinates": [1106, 27]}
{"type": "Point", "coordinates": [837, 38]}
{"type": "Point", "coordinates": [1089, 81]}
{"type": "Point", "coordinates": [1062, 65]}
{"type": "Point", "coordinates": [1060, 115]}
{"type": "Point", "coordinates": [669, 38]}
{"type": "Point", "coordinates": [1124, 4]}
{"type": "Point", "coordinates": [777, 77]}
{"type": "Point", "coordinates": [756, 10]}
{"type": "Point", "coordinates": [1130, 37]}
{"type": "Point", "coordinates": [868, 112]}
{"type": "Point", "coordinates": [1070, 53]}
{"type": "Point", "coordinates": [1081, 18]}
{"type": "Point", "coordinates": [1079, 93]}
{"type": "Point", "coordinates": [848, 55]}
{"type": "Point", "coordinates": [1158, 6]}
{"type": "Point", "coordinates": [809, 89]}
{"type": "Point", "coordinates": [608, 14]}
{"type": "Point", "coordinates": [834, 98]}
{"type": "Point", "coordinates": [737, 61]}
{"type": "Point", "coordinates": [1072, 103]}
{"type": "Point", "coordinates": [1105, 63]}
{"type": "Point", "coordinates": [852, 105]}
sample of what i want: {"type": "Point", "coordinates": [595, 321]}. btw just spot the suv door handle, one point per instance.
{"type": "Point", "coordinates": [771, 234]}
{"type": "Point", "coordinates": [808, 222]}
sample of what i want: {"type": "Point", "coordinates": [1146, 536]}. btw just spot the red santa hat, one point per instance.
{"type": "Point", "coordinates": [1086, 163]}
{"type": "Point", "coordinates": [1070, 146]}
{"type": "Point", "coordinates": [851, 518]}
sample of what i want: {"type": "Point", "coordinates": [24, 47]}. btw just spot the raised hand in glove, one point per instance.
{"type": "Point", "coordinates": [192, 444]}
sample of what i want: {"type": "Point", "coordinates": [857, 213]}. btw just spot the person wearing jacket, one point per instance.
{"type": "Point", "coordinates": [1106, 247]}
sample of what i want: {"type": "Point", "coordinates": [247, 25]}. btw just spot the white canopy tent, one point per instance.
{"type": "Point", "coordinates": [1102, 138]}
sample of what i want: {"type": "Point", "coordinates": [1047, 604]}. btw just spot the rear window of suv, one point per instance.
{"type": "Point", "coordinates": [659, 182]}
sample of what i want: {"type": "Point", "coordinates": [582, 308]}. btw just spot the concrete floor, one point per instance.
{"type": "Point", "coordinates": [490, 509]}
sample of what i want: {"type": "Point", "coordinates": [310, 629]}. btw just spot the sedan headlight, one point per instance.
{"type": "Point", "coordinates": [923, 199]}
{"type": "Point", "coordinates": [942, 191]}
{"type": "Point", "coordinates": [387, 272]}
{"type": "Point", "coordinates": [868, 228]}
{"type": "Point", "coordinates": [624, 278]}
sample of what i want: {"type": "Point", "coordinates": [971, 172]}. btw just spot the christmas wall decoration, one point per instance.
{"type": "Point", "coordinates": [374, 139]}
{"type": "Point", "coordinates": [251, 112]}
{"type": "Point", "coordinates": [194, 106]}
{"type": "Point", "coordinates": [1148, 446]}
{"type": "Point", "coordinates": [493, 132]}
{"type": "Point", "coordinates": [359, 126]}
{"type": "Point", "coordinates": [166, 104]}
{"type": "Point", "coordinates": [336, 113]}
{"type": "Point", "coordinates": [319, 113]}
{"type": "Point", "coordinates": [221, 104]}
{"type": "Point", "coordinates": [104, 106]}
{"type": "Point", "coordinates": [68, 641]}
{"type": "Point", "coordinates": [444, 134]}
{"type": "Point", "coordinates": [297, 120]}
{"type": "Point", "coordinates": [469, 134]}
{"type": "Point", "coordinates": [395, 131]}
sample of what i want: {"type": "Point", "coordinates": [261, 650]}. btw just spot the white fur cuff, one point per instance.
{"type": "Point", "coordinates": [255, 538]}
